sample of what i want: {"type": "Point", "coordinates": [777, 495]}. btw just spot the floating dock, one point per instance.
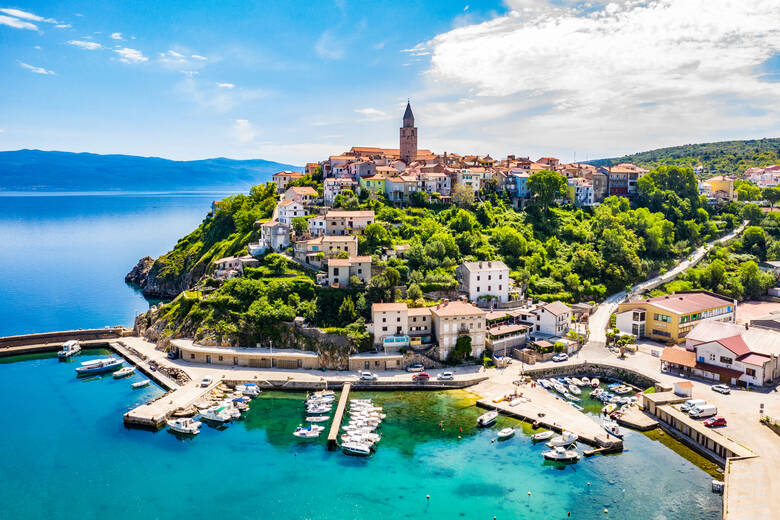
{"type": "Point", "coordinates": [333, 434]}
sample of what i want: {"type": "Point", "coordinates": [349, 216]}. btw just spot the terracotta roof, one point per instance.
{"type": "Point", "coordinates": [557, 308]}
{"type": "Point", "coordinates": [506, 329]}
{"type": "Point", "coordinates": [388, 307]}
{"type": "Point", "coordinates": [419, 311]}
{"type": "Point", "coordinates": [754, 359]}
{"type": "Point", "coordinates": [457, 308]}
{"type": "Point", "coordinates": [339, 262]}
{"type": "Point", "coordinates": [288, 173]}
{"type": "Point", "coordinates": [304, 190]}
{"type": "Point", "coordinates": [360, 259]}
{"type": "Point", "coordinates": [684, 384]}
{"type": "Point", "coordinates": [736, 345]}
{"type": "Point", "coordinates": [335, 213]}
{"type": "Point", "coordinates": [686, 303]}
{"type": "Point", "coordinates": [724, 371]}
{"type": "Point", "coordinates": [679, 356]}
{"type": "Point", "coordinates": [287, 202]}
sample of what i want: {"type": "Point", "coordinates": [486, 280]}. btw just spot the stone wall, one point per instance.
{"type": "Point", "coordinates": [594, 369]}
{"type": "Point", "coordinates": [62, 336]}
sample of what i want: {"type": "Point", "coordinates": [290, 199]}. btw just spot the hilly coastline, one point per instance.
{"type": "Point", "coordinates": [37, 170]}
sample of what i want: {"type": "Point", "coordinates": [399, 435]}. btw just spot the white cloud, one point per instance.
{"type": "Point", "coordinates": [116, 36]}
{"type": "Point", "coordinates": [632, 75]}
{"type": "Point", "coordinates": [189, 73]}
{"type": "Point", "coordinates": [211, 96]}
{"type": "Point", "coordinates": [25, 15]}
{"type": "Point", "coordinates": [63, 26]}
{"type": "Point", "coordinates": [225, 85]}
{"type": "Point", "coordinates": [129, 55]}
{"type": "Point", "coordinates": [86, 45]}
{"type": "Point", "coordinates": [198, 57]}
{"type": "Point", "coordinates": [243, 131]}
{"type": "Point", "coordinates": [328, 46]}
{"type": "Point", "coordinates": [372, 114]}
{"type": "Point", "coordinates": [16, 23]}
{"type": "Point", "coordinates": [36, 70]}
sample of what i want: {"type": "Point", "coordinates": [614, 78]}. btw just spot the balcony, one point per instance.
{"type": "Point", "coordinates": [395, 342]}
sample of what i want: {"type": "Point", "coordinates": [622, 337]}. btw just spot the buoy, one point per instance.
{"type": "Point", "coordinates": [459, 436]}
{"type": "Point", "coordinates": [529, 493]}
{"type": "Point", "coordinates": [589, 483]}
{"type": "Point", "coordinates": [606, 510]}
{"type": "Point", "coordinates": [428, 497]}
{"type": "Point", "coordinates": [492, 440]}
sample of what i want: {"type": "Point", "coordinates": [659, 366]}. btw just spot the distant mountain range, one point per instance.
{"type": "Point", "coordinates": [725, 157]}
{"type": "Point", "coordinates": [36, 170]}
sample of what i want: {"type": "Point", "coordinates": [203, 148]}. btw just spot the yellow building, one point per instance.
{"type": "Point", "coordinates": [721, 187]}
{"type": "Point", "coordinates": [669, 318]}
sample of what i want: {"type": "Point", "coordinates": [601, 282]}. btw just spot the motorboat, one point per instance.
{"type": "Point", "coordinates": [124, 372]}
{"type": "Point", "coordinates": [506, 433]}
{"type": "Point", "coordinates": [574, 389]}
{"type": "Point", "coordinates": [318, 409]}
{"type": "Point", "coordinates": [609, 409]}
{"type": "Point", "coordinates": [69, 348]}
{"type": "Point", "coordinates": [217, 414]}
{"type": "Point", "coordinates": [559, 388]}
{"type": "Point", "coordinates": [595, 382]}
{"type": "Point", "coordinates": [585, 381]}
{"type": "Point", "coordinates": [356, 448]}
{"type": "Point", "coordinates": [542, 436]}
{"type": "Point", "coordinates": [251, 390]}
{"type": "Point", "coordinates": [99, 366]}
{"type": "Point", "coordinates": [317, 418]}
{"type": "Point", "coordinates": [577, 381]}
{"type": "Point", "coordinates": [486, 419]}
{"type": "Point", "coordinates": [141, 384]}
{"type": "Point", "coordinates": [303, 433]}
{"type": "Point", "coordinates": [613, 428]}
{"type": "Point", "coordinates": [561, 454]}
{"type": "Point", "coordinates": [241, 403]}
{"type": "Point", "coordinates": [545, 383]}
{"type": "Point", "coordinates": [565, 439]}
{"type": "Point", "coordinates": [570, 397]}
{"type": "Point", "coordinates": [184, 425]}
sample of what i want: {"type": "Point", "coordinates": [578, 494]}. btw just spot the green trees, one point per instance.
{"type": "Point", "coordinates": [546, 186]}
{"type": "Point", "coordinates": [347, 313]}
{"type": "Point", "coordinates": [463, 195]}
{"type": "Point", "coordinates": [376, 237]}
{"type": "Point", "coordinates": [747, 191]}
{"type": "Point", "coordinates": [771, 195]}
{"type": "Point", "coordinates": [754, 241]}
{"type": "Point", "coordinates": [461, 351]}
{"type": "Point", "coordinates": [300, 225]}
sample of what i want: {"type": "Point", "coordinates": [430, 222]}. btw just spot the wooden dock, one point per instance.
{"type": "Point", "coordinates": [335, 427]}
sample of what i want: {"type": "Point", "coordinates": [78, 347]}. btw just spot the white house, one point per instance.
{"type": "Point", "coordinates": [554, 319]}
{"type": "Point", "coordinates": [273, 235]}
{"type": "Point", "coordinates": [580, 191]}
{"type": "Point", "coordinates": [316, 225]}
{"type": "Point", "coordinates": [484, 281]}
{"type": "Point", "coordinates": [305, 195]}
{"type": "Point", "coordinates": [289, 209]}
{"type": "Point", "coordinates": [333, 186]}
{"type": "Point", "coordinates": [340, 270]}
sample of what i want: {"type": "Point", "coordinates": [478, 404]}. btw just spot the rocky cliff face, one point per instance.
{"type": "Point", "coordinates": [146, 275]}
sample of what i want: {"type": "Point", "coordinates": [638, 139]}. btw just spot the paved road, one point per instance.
{"type": "Point", "coordinates": [599, 320]}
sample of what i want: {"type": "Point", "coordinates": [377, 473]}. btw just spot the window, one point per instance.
{"type": "Point", "coordinates": [499, 287]}
{"type": "Point", "coordinates": [384, 320]}
{"type": "Point", "coordinates": [192, 356]}
{"type": "Point", "coordinates": [398, 319]}
{"type": "Point", "coordinates": [662, 333]}
{"type": "Point", "coordinates": [712, 357]}
{"type": "Point", "coordinates": [662, 317]}
{"type": "Point", "coordinates": [384, 329]}
{"type": "Point", "coordinates": [220, 358]}
{"type": "Point", "coordinates": [726, 360]}
{"type": "Point", "coordinates": [751, 372]}
{"type": "Point", "coordinates": [335, 271]}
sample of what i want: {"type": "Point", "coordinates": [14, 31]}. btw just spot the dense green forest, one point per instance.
{"type": "Point", "coordinates": [555, 252]}
{"type": "Point", "coordinates": [722, 158]}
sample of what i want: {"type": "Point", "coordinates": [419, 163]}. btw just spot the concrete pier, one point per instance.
{"type": "Point", "coordinates": [335, 427]}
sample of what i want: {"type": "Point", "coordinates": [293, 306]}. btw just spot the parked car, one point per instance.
{"type": "Point", "coordinates": [422, 376]}
{"type": "Point", "coordinates": [417, 367]}
{"type": "Point", "coordinates": [446, 376]}
{"type": "Point", "coordinates": [723, 389]}
{"type": "Point", "coordinates": [691, 403]}
{"type": "Point", "coordinates": [560, 357]}
{"type": "Point", "coordinates": [367, 376]}
{"type": "Point", "coordinates": [712, 422]}
{"type": "Point", "coordinates": [702, 411]}
{"type": "Point", "coordinates": [206, 381]}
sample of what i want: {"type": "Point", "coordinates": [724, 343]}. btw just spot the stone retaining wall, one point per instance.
{"type": "Point", "coordinates": [62, 336]}
{"type": "Point", "coordinates": [594, 369]}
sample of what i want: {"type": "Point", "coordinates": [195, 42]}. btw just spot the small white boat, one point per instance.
{"type": "Point", "coordinates": [317, 418]}
{"type": "Point", "coordinates": [356, 448]}
{"type": "Point", "coordinates": [185, 425]}
{"type": "Point", "coordinates": [68, 349]}
{"type": "Point", "coordinates": [251, 390]}
{"type": "Point", "coordinates": [565, 439]}
{"type": "Point", "coordinates": [506, 433]}
{"type": "Point", "coordinates": [609, 408]}
{"type": "Point", "coordinates": [571, 397]}
{"type": "Point", "coordinates": [595, 382]}
{"type": "Point", "coordinates": [545, 383]}
{"type": "Point", "coordinates": [577, 381]}
{"type": "Point", "coordinates": [613, 429]}
{"type": "Point", "coordinates": [574, 389]}
{"type": "Point", "coordinates": [99, 366]}
{"type": "Point", "coordinates": [123, 372]}
{"type": "Point", "coordinates": [559, 388]}
{"type": "Point", "coordinates": [217, 414]}
{"type": "Point", "coordinates": [585, 381]}
{"type": "Point", "coordinates": [306, 434]}
{"type": "Point", "coordinates": [561, 455]}
{"type": "Point", "coordinates": [542, 436]}
{"type": "Point", "coordinates": [141, 384]}
{"type": "Point", "coordinates": [486, 419]}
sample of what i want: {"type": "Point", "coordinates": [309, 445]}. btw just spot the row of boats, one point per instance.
{"type": "Point", "coordinates": [360, 435]}
{"type": "Point", "coordinates": [229, 407]}
{"type": "Point", "coordinates": [318, 408]}
{"type": "Point", "coordinates": [106, 365]}
{"type": "Point", "coordinates": [569, 387]}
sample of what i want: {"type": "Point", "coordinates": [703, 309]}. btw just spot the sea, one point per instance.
{"type": "Point", "coordinates": [66, 454]}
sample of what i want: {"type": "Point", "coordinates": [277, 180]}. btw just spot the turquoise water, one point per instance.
{"type": "Point", "coordinates": [64, 257]}
{"type": "Point", "coordinates": [67, 455]}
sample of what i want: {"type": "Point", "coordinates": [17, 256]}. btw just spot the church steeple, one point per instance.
{"type": "Point", "coordinates": [408, 116]}
{"type": "Point", "coordinates": [408, 144]}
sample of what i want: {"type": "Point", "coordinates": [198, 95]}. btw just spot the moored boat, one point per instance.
{"type": "Point", "coordinates": [565, 439]}
{"type": "Point", "coordinates": [613, 428]}
{"type": "Point", "coordinates": [577, 381]}
{"type": "Point", "coordinates": [574, 389]}
{"type": "Point", "coordinates": [69, 348]}
{"type": "Point", "coordinates": [585, 381]}
{"type": "Point", "coordinates": [506, 433]}
{"type": "Point", "coordinates": [560, 454]}
{"type": "Point", "coordinates": [251, 390]}
{"type": "Point", "coordinates": [595, 382]}
{"type": "Point", "coordinates": [356, 448]}
{"type": "Point", "coordinates": [542, 436]}
{"type": "Point", "coordinates": [559, 388]}
{"type": "Point", "coordinates": [184, 425]}
{"type": "Point", "coordinates": [545, 383]}
{"type": "Point", "coordinates": [609, 409]}
{"type": "Point", "coordinates": [578, 407]}
{"type": "Point", "coordinates": [99, 366]}
{"type": "Point", "coordinates": [141, 384]}
{"type": "Point", "coordinates": [217, 414]}
{"type": "Point", "coordinates": [123, 372]}
{"type": "Point", "coordinates": [317, 418]}
{"type": "Point", "coordinates": [488, 418]}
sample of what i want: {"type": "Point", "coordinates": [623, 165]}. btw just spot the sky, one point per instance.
{"type": "Point", "coordinates": [296, 81]}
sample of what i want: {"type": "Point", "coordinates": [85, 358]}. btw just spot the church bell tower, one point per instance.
{"type": "Point", "coordinates": [408, 147]}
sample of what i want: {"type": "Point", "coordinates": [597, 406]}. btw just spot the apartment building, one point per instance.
{"type": "Point", "coordinates": [340, 270]}
{"type": "Point", "coordinates": [484, 282]}
{"type": "Point", "coordinates": [339, 222]}
{"type": "Point", "coordinates": [454, 319]}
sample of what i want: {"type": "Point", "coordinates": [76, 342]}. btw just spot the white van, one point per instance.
{"type": "Point", "coordinates": [691, 403]}
{"type": "Point", "coordinates": [704, 410]}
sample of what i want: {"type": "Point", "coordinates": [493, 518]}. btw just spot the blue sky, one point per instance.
{"type": "Point", "coordinates": [296, 81]}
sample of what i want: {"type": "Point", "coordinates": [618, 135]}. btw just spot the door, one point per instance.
{"type": "Point", "coordinates": [235, 361]}
{"type": "Point", "coordinates": [208, 359]}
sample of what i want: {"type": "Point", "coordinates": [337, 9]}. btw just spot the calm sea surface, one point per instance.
{"type": "Point", "coordinates": [63, 258]}
{"type": "Point", "coordinates": [66, 455]}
